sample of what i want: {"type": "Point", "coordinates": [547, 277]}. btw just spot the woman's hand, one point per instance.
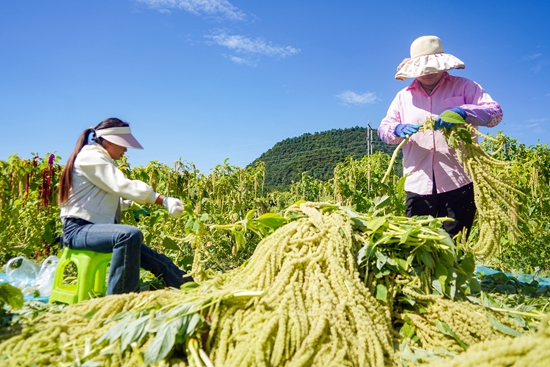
{"type": "Point", "coordinates": [404, 130]}
{"type": "Point", "coordinates": [174, 206]}
{"type": "Point", "coordinates": [456, 112]}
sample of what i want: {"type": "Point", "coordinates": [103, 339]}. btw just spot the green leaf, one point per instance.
{"type": "Point", "coordinates": [250, 215]}
{"type": "Point", "coordinates": [400, 188]}
{"type": "Point", "coordinates": [134, 332]}
{"type": "Point", "coordinates": [383, 273]}
{"type": "Point", "coordinates": [405, 236]}
{"type": "Point", "coordinates": [447, 240]}
{"type": "Point", "coordinates": [436, 284]}
{"type": "Point", "coordinates": [192, 325]}
{"type": "Point", "coordinates": [407, 330]}
{"type": "Point", "coordinates": [89, 315]}
{"type": "Point", "coordinates": [374, 224]}
{"type": "Point", "coordinates": [402, 263]}
{"type": "Point", "coordinates": [503, 328]}
{"type": "Point", "coordinates": [271, 220]}
{"type": "Point", "coordinates": [452, 117]}
{"type": "Point", "coordinates": [475, 287]}
{"type": "Point", "coordinates": [381, 260]}
{"type": "Point", "coordinates": [196, 226]}
{"type": "Point", "coordinates": [446, 329]}
{"type": "Point", "coordinates": [362, 254]}
{"type": "Point", "coordinates": [186, 262]}
{"type": "Point", "coordinates": [382, 293]}
{"type": "Point", "coordinates": [468, 264]}
{"type": "Point", "coordinates": [441, 274]}
{"type": "Point", "coordinates": [47, 235]}
{"type": "Point", "coordinates": [464, 135]}
{"type": "Point", "coordinates": [506, 288]}
{"type": "Point", "coordinates": [116, 331]}
{"type": "Point", "coordinates": [426, 258]}
{"type": "Point", "coordinates": [170, 244]}
{"type": "Point", "coordinates": [164, 341]}
{"type": "Point", "coordinates": [154, 324]}
{"type": "Point", "coordinates": [240, 241]}
{"type": "Point", "coordinates": [190, 223]}
{"type": "Point", "coordinates": [381, 201]}
{"type": "Point", "coordinates": [11, 296]}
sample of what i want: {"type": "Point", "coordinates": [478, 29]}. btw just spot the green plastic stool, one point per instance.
{"type": "Point", "coordinates": [91, 276]}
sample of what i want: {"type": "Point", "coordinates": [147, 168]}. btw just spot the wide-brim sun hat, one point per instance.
{"type": "Point", "coordinates": [120, 136]}
{"type": "Point", "coordinates": [427, 57]}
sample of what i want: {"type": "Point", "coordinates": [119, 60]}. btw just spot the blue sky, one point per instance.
{"type": "Point", "coordinates": [206, 80]}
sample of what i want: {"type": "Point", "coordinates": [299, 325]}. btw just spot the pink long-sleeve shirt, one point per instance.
{"type": "Point", "coordinates": [426, 155]}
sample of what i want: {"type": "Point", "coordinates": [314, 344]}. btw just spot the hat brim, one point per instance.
{"type": "Point", "coordinates": [428, 64]}
{"type": "Point", "coordinates": [126, 140]}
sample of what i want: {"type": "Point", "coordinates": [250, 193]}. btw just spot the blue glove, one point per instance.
{"type": "Point", "coordinates": [441, 123]}
{"type": "Point", "coordinates": [404, 130]}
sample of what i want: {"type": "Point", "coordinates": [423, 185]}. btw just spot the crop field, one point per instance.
{"type": "Point", "coordinates": [326, 273]}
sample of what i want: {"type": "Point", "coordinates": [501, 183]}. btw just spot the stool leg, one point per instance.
{"type": "Point", "coordinates": [100, 279]}
{"type": "Point", "coordinates": [62, 292]}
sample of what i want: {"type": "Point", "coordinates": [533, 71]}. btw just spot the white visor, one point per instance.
{"type": "Point", "coordinates": [120, 136]}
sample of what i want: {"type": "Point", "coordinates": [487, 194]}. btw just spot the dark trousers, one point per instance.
{"type": "Point", "coordinates": [457, 204]}
{"type": "Point", "coordinates": [129, 253]}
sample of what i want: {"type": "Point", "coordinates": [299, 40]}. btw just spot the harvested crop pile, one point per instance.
{"type": "Point", "coordinates": [525, 351]}
{"type": "Point", "coordinates": [331, 287]}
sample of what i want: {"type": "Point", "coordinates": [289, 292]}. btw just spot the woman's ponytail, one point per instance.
{"type": "Point", "coordinates": [66, 179]}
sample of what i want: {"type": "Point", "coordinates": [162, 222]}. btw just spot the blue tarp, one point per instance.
{"type": "Point", "coordinates": [4, 279]}
{"type": "Point", "coordinates": [524, 278]}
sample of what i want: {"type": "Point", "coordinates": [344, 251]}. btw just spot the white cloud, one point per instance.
{"type": "Point", "coordinates": [253, 46]}
{"type": "Point", "coordinates": [349, 97]}
{"type": "Point", "coordinates": [539, 65]}
{"type": "Point", "coordinates": [539, 62]}
{"type": "Point", "coordinates": [532, 56]}
{"type": "Point", "coordinates": [240, 60]}
{"type": "Point", "coordinates": [198, 7]}
{"type": "Point", "coordinates": [536, 122]}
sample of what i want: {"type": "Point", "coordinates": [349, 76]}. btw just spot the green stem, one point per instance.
{"type": "Point", "coordinates": [393, 158]}
{"type": "Point", "coordinates": [520, 313]}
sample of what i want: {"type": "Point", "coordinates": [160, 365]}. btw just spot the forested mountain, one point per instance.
{"type": "Point", "coordinates": [317, 154]}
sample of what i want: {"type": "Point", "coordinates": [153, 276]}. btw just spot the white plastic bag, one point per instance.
{"type": "Point", "coordinates": [31, 277]}
{"type": "Point", "coordinates": [24, 275]}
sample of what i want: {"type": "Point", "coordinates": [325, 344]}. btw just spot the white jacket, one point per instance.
{"type": "Point", "coordinates": [98, 186]}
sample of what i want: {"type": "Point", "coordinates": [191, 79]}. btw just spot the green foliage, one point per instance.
{"type": "Point", "coordinates": [231, 210]}
{"type": "Point", "coordinates": [530, 253]}
{"type": "Point", "coordinates": [28, 206]}
{"type": "Point", "coordinates": [414, 248]}
{"type": "Point", "coordinates": [315, 154]}
{"type": "Point", "coordinates": [359, 183]}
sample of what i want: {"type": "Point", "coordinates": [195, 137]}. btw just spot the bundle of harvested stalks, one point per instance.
{"type": "Point", "coordinates": [329, 287]}
{"type": "Point", "coordinates": [496, 198]}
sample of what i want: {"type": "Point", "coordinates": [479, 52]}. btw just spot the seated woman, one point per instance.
{"type": "Point", "coordinates": [91, 191]}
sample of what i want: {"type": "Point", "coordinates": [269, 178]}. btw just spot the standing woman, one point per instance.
{"type": "Point", "coordinates": [91, 193]}
{"type": "Point", "coordinates": [436, 182]}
